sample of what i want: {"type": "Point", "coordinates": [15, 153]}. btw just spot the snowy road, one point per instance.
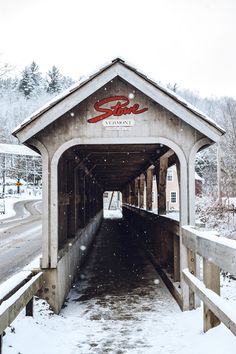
{"type": "Point", "coordinates": [20, 238]}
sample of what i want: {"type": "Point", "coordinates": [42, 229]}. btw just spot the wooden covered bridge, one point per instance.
{"type": "Point", "coordinates": [115, 131]}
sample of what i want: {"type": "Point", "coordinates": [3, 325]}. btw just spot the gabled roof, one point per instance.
{"type": "Point", "coordinates": [118, 67]}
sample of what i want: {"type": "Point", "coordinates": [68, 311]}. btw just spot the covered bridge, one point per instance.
{"type": "Point", "coordinates": [114, 131]}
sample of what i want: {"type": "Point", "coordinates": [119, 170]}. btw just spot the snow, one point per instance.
{"type": "Point", "coordinates": [15, 149]}
{"type": "Point", "coordinates": [212, 236]}
{"type": "Point", "coordinates": [174, 215]}
{"type": "Point", "coordinates": [10, 283]}
{"type": "Point", "coordinates": [213, 297]}
{"type": "Point", "coordinates": [198, 178]}
{"type": "Point", "coordinates": [9, 208]}
{"type": "Point", "coordinates": [112, 214]}
{"type": "Point", "coordinates": [127, 324]}
{"type": "Point", "coordinates": [16, 296]}
{"type": "Point", "coordinates": [10, 211]}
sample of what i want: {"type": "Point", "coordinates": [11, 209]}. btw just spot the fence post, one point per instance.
{"type": "Point", "coordinates": [29, 308]}
{"type": "Point", "coordinates": [176, 252]}
{"type": "Point", "coordinates": [211, 279]}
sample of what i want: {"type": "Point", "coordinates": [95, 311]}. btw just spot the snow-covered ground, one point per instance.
{"type": "Point", "coordinates": [11, 200]}
{"type": "Point", "coordinates": [130, 323]}
{"type": "Point", "coordinates": [112, 214]}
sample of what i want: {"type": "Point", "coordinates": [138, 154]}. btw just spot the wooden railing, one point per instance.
{"type": "Point", "coordinates": [159, 236]}
{"type": "Point", "coordinates": [16, 294]}
{"type": "Point", "coordinates": [218, 253]}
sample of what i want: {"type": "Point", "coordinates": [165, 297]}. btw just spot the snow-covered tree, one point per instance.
{"type": "Point", "coordinates": [31, 83]}
{"type": "Point", "coordinates": [54, 80]}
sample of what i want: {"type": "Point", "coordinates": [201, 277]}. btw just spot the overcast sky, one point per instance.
{"type": "Point", "coordinates": [190, 42]}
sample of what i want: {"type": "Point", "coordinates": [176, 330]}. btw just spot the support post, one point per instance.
{"type": "Point", "coordinates": [149, 180]}
{"type": "Point", "coordinates": [219, 190]}
{"type": "Point", "coordinates": [176, 258]}
{"type": "Point", "coordinates": [211, 278]}
{"type": "Point", "coordinates": [132, 193]}
{"type": "Point", "coordinates": [141, 190]}
{"type": "Point", "coordinates": [129, 194]}
{"type": "Point", "coordinates": [136, 184]}
{"type": "Point", "coordinates": [29, 309]}
{"type": "Point", "coordinates": [162, 186]}
{"type": "Point", "coordinates": [193, 259]}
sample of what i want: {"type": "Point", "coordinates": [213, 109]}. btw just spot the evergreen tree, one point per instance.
{"type": "Point", "coordinates": [66, 82]}
{"type": "Point", "coordinates": [54, 80]}
{"type": "Point", "coordinates": [31, 83]}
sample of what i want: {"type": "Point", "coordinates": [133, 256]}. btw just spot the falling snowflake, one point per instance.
{"type": "Point", "coordinates": [131, 96]}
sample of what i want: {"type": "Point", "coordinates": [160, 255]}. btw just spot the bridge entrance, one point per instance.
{"type": "Point", "coordinates": [116, 132]}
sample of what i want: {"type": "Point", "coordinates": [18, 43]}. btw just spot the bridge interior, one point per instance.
{"type": "Point", "coordinates": [85, 172]}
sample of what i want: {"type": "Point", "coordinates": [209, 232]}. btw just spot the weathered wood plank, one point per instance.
{"type": "Point", "coordinates": [215, 303]}
{"type": "Point", "coordinates": [176, 258]}
{"type": "Point", "coordinates": [10, 308]}
{"type": "Point", "coordinates": [162, 185]}
{"type": "Point", "coordinates": [211, 278]}
{"type": "Point", "coordinates": [29, 309]}
{"type": "Point", "coordinates": [220, 251]}
{"type": "Point", "coordinates": [149, 181]}
{"type": "Point", "coordinates": [12, 284]}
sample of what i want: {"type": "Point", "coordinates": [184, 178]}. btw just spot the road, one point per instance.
{"type": "Point", "coordinates": [20, 238]}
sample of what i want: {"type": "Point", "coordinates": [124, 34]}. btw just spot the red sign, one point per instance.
{"type": "Point", "coordinates": [121, 108]}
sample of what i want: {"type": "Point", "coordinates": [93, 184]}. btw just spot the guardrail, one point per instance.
{"type": "Point", "coordinates": [16, 294]}
{"type": "Point", "coordinates": [218, 253]}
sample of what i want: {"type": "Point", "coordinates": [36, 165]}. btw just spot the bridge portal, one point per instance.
{"type": "Point", "coordinates": [115, 131]}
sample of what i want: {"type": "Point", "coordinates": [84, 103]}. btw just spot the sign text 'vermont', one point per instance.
{"type": "Point", "coordinates": [119, 109]}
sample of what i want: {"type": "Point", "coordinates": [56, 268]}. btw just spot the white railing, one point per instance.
{"type": "Point", "coordinates": [218, 253]}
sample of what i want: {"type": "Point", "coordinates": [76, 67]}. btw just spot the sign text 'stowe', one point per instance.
{"type": "Point", "coordinates": [119, 109]}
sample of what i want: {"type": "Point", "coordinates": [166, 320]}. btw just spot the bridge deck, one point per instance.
{"type": "Point", "coordinates": [121, 294]}
{"type": "Point", "coordinates": [119, 306]}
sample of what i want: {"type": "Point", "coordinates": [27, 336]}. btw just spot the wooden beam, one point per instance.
{"type": "Point", "coordinates": [215, 303]}
{"type": "Point", "coordinates": [141, 191]}
{"type": "Point", "coordinates": [136, 183]}
{"type": "Point", "coordinates": [162, 186]}
{"type": "Point", "coordinates": [132, 192]}
{"type": "Point", "coordinates": [149, 181]}
{"type": "Point", "coordinates": [176, 252]}
{"type": "Point", "coordinates": [211, 278]}
{"type": "Point", "coordinates": [220, 251]}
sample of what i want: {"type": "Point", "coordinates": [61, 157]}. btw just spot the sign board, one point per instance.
{"type": "Point", "coordinates": [116, 106]}
{"type": "Point", "coordinates": [18, 184]}
{"type": "Point", "coordinates": [118, 124]}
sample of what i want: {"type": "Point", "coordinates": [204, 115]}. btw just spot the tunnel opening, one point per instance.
{"type": "Point", "coordinates": [95, 181]}
{"type": "Point", "coordinates": [133, 174]}
{"type": "Point", "coordinates": [112, 205]}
